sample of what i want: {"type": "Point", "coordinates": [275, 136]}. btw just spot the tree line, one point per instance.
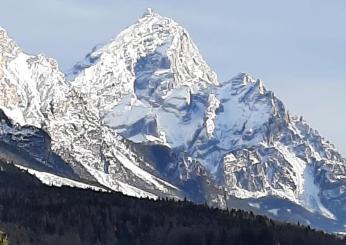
{"type": "Point", "coordinates": [32, 213]}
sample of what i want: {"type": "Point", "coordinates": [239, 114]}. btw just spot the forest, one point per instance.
{"type": "Point", "coordinates": [33, 213]}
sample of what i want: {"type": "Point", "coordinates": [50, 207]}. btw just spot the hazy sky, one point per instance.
{"type": "Point", "coordinates": [298, 47]}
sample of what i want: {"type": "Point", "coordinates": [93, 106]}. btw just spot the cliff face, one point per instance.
{"type": "Point", "coordinates": [145, 115]}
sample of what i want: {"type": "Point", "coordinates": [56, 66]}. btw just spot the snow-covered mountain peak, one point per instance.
{"type": "Point", "coordinates": [153, 34]}
{"type": "Point", "coordinates": [148, 12]}
{"type": "Point", "coordinates": [8, 50]}
{"type": "Point", "coordinates": [153, 56]}
{"type": "Point", "coordinates": [145, 114]}
{"type": "Point", "coordinates": [7, 45]}
{"type": "Point", "coordinates": [28, 83]}
{"type": "Point", "coordinates": [243, 78]}
{"type": "Point", "coordinates": [4, 38]}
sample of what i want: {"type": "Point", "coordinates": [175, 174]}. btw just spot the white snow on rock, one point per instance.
{"type": "Point", "coordinates": [150, 86]}
{"type": "Point", "coordinates": [53, 180]}
{"type": "Point", "coordinates": [274, 211]}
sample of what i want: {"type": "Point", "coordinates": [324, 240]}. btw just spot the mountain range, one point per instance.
{"type": "Point", "coordinates": [145, 115]}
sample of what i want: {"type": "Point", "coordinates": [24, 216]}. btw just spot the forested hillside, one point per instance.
{"type": "Point", "coordinates": [32, 213]}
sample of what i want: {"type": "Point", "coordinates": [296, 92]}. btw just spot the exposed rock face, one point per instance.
{"type": "Point", "coordinates": [145, 115]}
{"type": "Point", "coordinates": [40, 96]}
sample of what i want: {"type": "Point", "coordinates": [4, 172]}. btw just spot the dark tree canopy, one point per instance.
{"type": "Point", "coordinates": [32, 213]}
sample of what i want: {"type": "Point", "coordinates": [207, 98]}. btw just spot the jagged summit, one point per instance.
{"type": "Point", "coordinates": [34, 92]}
{"type": "Point", "coordinates": [8, 49]}
{"type": "Point", "coordinates": [144, 114]}
{"type": "Point", "coordinates": [236, 129]}
{"type": "Point", "coordinates": [3, 34]}
{"type": "Point", "coordinates": [152, 34]}
{"type": "Point", "coordinates": [7, 44]}
{"type": "Point", "coordinates": [155, 44]}
{"type": "Point", "coordinates": [148, 12]}
{"type": "Point", "coordinates": [27, 82]}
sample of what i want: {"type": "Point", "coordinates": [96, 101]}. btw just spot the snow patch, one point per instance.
{"type": "Point", "coordinates": [116, 185]}
{"type": "Point", "coordinates": [274, 211]}
{"type": "Point", "coordinates": [54, 180]}
{"type": "Point", "coordinates": [254, 205]}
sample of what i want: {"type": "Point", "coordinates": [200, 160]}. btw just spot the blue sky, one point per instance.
{"type": "Point", "coordinates": [297, 47]}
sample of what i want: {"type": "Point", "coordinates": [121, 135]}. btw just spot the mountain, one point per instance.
{"type": "Point", "coordinates": [36, 93]}
{"type": "Point", "coordinates": [33, 213]}
{"type": "Point", "coordinates": [145, 115]}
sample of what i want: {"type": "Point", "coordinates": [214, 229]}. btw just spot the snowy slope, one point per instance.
{"type": "Point", "coordinates": [144, 114]}
{"type": "Point", "coordinates": [35, 92]}
{"type": "Point", "coordinates": [152, 71]}
{"type": "Point", "coordinates": [237, 130]}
